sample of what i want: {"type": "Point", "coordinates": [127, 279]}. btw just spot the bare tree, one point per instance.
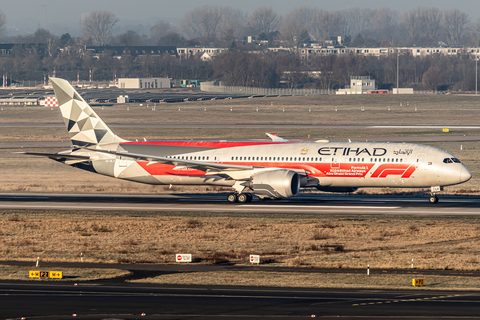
{"type": "Point", "coordinates": [202, 22]}
{"type": "Point", "coordinates": [160, 29]}
{"type": "Point", "coordinates": [98, 25]}
{"type": "Point", "coordinates": [411, 23]}
{"type": "Point", "coordinates": [263, 20]}
{"type": "Point", "coordinates": [327, 24]}
{"type": "Point", "coordinates": [233, 23]}
{"type": "Point", "coordinates": [433, 24]}
{"type": "Point", "coordinates": [355, 21]}
{"type": "Point", "coordinates": [455, 24]}
{"type": "Point", "coordinates": [383, 25]}
{"type": "Point", "coordinates": [297, 22]}
{"type": "Point", "coordinates": [3, 21]}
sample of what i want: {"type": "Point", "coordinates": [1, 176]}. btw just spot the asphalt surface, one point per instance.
{"type": "Point", "coordinates": [108, 300]}
{"type": "Point", "coordinates": [304, 204]}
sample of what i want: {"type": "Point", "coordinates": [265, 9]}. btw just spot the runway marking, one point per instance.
{"type": "Point", "coordinates": [408, 300]}
{"type": "Point", "coordinates": [253, 208]}
{"type": "Point", "coordinates": [308, 207]}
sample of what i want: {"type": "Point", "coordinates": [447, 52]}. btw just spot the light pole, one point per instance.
{"type": "Point", "coordinates": [476, 72]}
{"type": "Point", "coordinates": [398, 54]}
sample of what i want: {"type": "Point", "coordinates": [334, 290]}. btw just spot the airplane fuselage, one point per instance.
{"type": "Point", "coordinates": [329, 164]}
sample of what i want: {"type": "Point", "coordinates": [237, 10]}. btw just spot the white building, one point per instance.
{"type": "Point", "coordinates": [358, 85]}
{"type": "Point", "coordinates": [143, 83]}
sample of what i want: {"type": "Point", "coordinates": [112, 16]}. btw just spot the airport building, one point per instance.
{"type": "Point", "coordinates": [359, 85]}
{"type": "Point", "coordinates": [144, 83]}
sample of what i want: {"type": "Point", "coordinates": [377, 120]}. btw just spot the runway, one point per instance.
{"type": "Point", "coordinates": [304, 204]}
{"type": "Point", "coordinates": [104, 299]}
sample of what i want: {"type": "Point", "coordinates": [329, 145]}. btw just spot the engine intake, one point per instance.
{"type": "Point", "coordinates": [276, 184]}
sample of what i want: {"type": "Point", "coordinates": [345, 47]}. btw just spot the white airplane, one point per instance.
{"type": "Point", "coordinates": [270, 170]}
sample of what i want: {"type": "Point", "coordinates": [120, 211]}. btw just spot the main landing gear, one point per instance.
{"type": "Point", "coordinates": [239, 197]}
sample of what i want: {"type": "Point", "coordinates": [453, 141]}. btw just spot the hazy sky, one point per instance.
{"type": "Point", "coordinates": [60, 16]}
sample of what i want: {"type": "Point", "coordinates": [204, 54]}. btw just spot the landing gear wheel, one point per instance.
{"type": "Point", "coordinates": [433, 199]}
{"type": "Point", "coordinates": [232, 197]}
{"type": "Point", "coordinates": [242, 198]}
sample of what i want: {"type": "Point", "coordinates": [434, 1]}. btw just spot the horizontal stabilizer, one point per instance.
{"type": "Point", "coordinates": [56, 156]}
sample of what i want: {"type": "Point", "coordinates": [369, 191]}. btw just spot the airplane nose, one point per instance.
{"type": "Point", "coordinates": [465, 175]}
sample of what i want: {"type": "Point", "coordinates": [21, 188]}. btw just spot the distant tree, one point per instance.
{"type": "Point", "coordinates": [327, 24]}
{"type": "Point", "coordinates": [98, 26]}
{"type": "Point", "coordinates": [263, 20]}
{"type": "Point", "coordinates": [432, 78]}
{"type": "Point", "coordinates": [159, 30]}
{"type": "Point", "coordinates": [66, 40]}
{"type": "Point", "coordinates": [172, 39]}
{"type": "Point", "coordinates": [358, 41]}
{"type": "Point", "coordinates": [3, 21]}
{"type": "Point", "coordinates": [262, 36]}
{"type": "Point", "coordinates": [129, 38]}
{"type": "Point", "coordinates": [455, 25]}
{"type": "Point", "coordinates": [202, 22]}
{"type": "Point", "coordinates": [295, 25]}
{"type": "Point", "coordinates": [233, 24]}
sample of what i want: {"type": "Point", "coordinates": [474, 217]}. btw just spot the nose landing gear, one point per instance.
{"type": "Point", "coordinates": [433, 199]}
{"type": "Point", "coordinates": [433, 196]}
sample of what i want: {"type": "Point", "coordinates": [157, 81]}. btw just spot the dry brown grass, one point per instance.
{"type": "Point", "coordinates": [381, 242]}
{"type": "Point", "coordinates": [315, 280]}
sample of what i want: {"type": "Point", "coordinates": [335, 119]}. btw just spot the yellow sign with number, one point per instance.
{"type": "Point", "coordinates": [46, 274]}
{"type": "Point", "coordinates": [34, 274]}
{"type": "Point", "coordinates": [55, 274]}
{"type": "Point", "coordinates": [418, 282]}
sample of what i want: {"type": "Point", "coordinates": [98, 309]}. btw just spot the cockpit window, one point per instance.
{"type": "Point", "coordinates": [451, 160]}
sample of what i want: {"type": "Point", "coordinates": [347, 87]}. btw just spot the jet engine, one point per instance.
{"type": "Point", "coordinates": [275, 184]}
{"type": "Point", "coordinates": [336, 189]}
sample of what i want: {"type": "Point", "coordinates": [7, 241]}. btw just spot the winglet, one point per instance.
{"type": "Point", "coordinates": [275, 138]}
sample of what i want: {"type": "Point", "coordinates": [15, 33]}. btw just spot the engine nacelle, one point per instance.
{"type": "Point", "coordinates": [275, 184]}
{"type": "Point", "coordinates": [336, 189]}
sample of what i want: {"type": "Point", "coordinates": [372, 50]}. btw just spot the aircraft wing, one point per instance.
{"type": "Point", "coordinates": [57, 155]}
{"type": "Point", "coordinates": [200, 165]}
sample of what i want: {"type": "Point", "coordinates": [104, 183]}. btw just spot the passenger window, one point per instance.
{"type": "Point", "coordinates": [295, 159]}
{"type": "Point", "coordinates": [350, 159]}
{"type": "Point", "coordinates": [401, 160]}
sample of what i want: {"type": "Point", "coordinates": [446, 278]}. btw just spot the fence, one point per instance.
{"type": "Point", "coordinates": [210, 87]}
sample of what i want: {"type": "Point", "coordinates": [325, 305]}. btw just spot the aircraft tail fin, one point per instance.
{"type": "Point", "coordinates": [84, 126]}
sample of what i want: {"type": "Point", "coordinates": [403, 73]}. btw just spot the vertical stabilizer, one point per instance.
{"type": "Point", "coordinates": [84, 126]}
